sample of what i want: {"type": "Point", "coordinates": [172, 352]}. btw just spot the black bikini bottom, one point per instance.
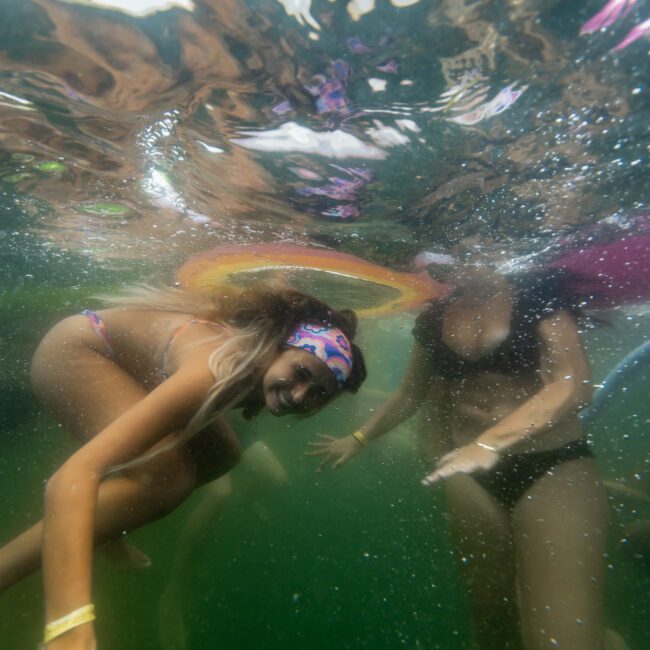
{"type": "Point", "coordinates": [512, 476]}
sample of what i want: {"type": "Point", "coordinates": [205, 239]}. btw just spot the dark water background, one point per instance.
{"type": "Point", "coordinates": [122, 152]}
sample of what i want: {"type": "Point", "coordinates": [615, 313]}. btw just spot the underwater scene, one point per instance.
{"type": "Point", "coordinates": [193, 196]}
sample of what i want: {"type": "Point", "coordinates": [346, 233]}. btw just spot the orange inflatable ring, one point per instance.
{"type": "Point", "coordinates": [224, 264]}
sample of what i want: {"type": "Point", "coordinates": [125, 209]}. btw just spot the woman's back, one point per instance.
{"type": "Point", "coordinates": [144, 342]}
{"type": "Point", "coordinates": [148, 343]}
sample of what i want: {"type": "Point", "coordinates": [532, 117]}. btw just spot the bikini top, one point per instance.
{"type": "Point", "coordinates": [536, 297]}
{"type": "Point", "coordinates": [176, 332]}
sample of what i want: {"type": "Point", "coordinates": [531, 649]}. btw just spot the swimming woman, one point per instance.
{"type": "Point", "coordinates": [503, 372]}
{"type": "Point", "coordinates": [144, 386]}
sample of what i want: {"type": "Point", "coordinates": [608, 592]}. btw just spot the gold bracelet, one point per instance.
{"type": "Point", "coordinates": [488, 447]}
{"type": "Point", "coordinates": [77, 617]}
{"type": "Point", "coordinates": [360, 437]}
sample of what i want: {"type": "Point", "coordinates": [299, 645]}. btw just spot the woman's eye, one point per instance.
{"type": "Point", "coordinates": [301, 374]}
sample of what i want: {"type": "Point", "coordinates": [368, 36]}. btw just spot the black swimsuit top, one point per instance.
{"type": "Point", "coordinates": [535, 297]}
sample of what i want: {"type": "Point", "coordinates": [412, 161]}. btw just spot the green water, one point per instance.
{"type": "Point", "coordinates": [334, 289]}
{"type": "Point", "coordinates": [357, 558]}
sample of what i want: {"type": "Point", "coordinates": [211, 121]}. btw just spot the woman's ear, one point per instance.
{"type": "Point", "coordinates": [359, 372]}
{"type": "Point", "coordinates": [353, 321]}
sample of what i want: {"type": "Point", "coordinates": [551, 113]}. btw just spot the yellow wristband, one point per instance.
{"type": "Point", "coordinates": [360, 438]}
{"type": "Point", "coordinates": [74, 619]}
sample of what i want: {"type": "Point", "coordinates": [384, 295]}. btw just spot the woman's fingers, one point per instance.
{"type": "Point", "coordinates": [443, 469]}
{"type": "Point", "coordinates": [446, 458]}
{"type": "Point", "coordinates": [317, 451]}
{"type": "Point", "coordinates": [431, 478]}
{"type": "Point", "coordinates": [447, 466]}
{"type": "Point", "coordinates": [336, 451]}
{"type": "Point", "coordinates": [341, 460]}
{"type": "Point", "coordinates": [329, 456]}
{"type": "Point", "coordinates": [442, 473]}
{"type": "Point", "coordinates": [320, 447]}
{"type": "Point", "coordinates": [334, 456]}
{"type": "Point", "coordinates": [328, 459]}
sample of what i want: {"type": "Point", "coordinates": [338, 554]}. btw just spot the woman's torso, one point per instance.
{"type": "Point", "coordinates": [486, 369]}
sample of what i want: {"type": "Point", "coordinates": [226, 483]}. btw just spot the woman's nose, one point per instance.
{"type": "Point", "coordinates": [300, 392]}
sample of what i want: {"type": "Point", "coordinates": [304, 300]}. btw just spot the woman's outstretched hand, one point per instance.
{"type": "Point", "coordinates": [335, 451]}
{"type": "Point", "coordinates": [463, 460]}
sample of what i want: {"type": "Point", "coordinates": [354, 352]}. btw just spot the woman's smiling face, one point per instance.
{"type": "Point", "coordinates": [297, 382]}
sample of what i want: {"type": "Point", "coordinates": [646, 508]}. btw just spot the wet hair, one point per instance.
{"type": "Point", "coordinates": [553, 289]}
{"type": "Point", "coordinates": [281, 310]}
{"type": "Point", "coordinates": [261, 318]}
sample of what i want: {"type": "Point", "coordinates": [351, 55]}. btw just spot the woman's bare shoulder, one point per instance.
{"type": "Point", "coordinates": [195, 341]}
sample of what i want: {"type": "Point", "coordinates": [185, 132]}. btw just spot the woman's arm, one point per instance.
{"type": "Point", "coordinates": [71, 494]}
{"type": "Point", "coordinates": [566, 378]}
{"type": "Point", "coordinates": [406, 400]}
{"type": "Point", "coordinates": [566, 375]}
{"type": "Point", "coordinates": [401, 404]}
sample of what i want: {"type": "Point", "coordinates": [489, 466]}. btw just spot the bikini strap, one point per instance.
{"type": "Point", "coordinates": [100, 329]}
{"type": "Point", "coordinates": [178, 331]}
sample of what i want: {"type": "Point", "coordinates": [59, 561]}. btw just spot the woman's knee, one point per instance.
{"type": "Point", "coordinates": [215, 451]}
{"type": "Point", "coordinates": [167, 479]}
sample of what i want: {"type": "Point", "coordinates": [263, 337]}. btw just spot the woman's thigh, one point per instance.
{"type": "Point", "coordinates": [483, 540]}
{"type": "Point", "coordinates": [559, 532]}
{"type": "Point", "coordinates": [84, 389]}
{"type": "Point", "coordinates": [482, 536]}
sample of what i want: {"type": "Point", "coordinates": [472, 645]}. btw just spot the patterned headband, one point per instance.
{"type": "Point", "coordinates": [327, 343]}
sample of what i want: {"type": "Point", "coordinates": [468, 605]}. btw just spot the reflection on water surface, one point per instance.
{"type": "Point", "coordinates": [488, 123]}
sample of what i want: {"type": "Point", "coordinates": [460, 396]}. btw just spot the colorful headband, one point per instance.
{"type": "Point", "coordinates": [327, 343]}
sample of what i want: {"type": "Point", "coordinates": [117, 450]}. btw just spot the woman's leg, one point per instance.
{"type": "Point", "coordinates": [124, 504]}
{"type": "Point", "coordinates": [141, 495]}
{"type": "Point", "coordinates": [82, 388]}
{"type": "Point", "coordinates": [559, 531]}
{"type": "Point", "coordinates": [483, 540]}
{"type": "Point", "coordinates": [86, 391]}
{"type": "Point", "coordinates": [259, 475]}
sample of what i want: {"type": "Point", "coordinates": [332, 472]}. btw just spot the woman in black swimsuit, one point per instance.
{"type": "Point", "coordinates": [502, 373]}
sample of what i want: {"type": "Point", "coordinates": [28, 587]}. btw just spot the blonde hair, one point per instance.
{"type": "Point", "coordinates": [260, 319]}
